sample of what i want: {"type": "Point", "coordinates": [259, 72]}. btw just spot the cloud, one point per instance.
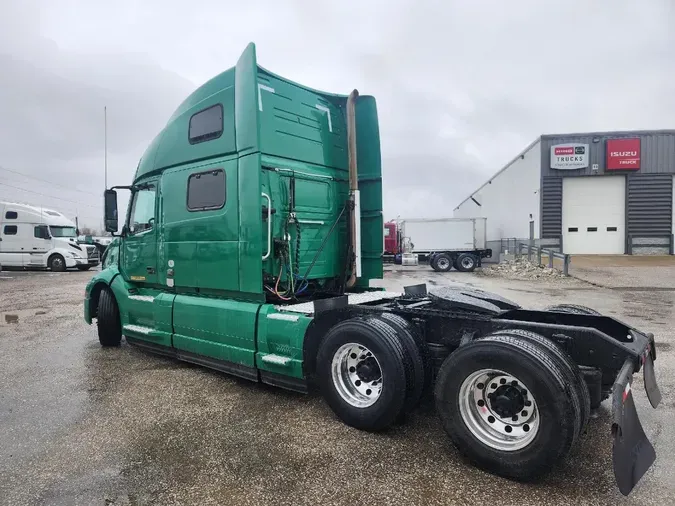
{"type": "Point", "coordinates": [462, 87]}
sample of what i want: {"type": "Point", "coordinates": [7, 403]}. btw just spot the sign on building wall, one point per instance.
{"type": "Point", "coordinates": [623, 154]}
{"type": "Point", "coordinates": [569, 156]}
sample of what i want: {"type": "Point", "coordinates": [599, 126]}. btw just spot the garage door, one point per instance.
{"type": "Point", "coordinates": [593, 216]}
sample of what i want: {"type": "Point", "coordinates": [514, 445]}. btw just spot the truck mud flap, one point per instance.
{"type": "Point", "coordinates": [651, 387]}
{"type": "Point", "coordinates": [632, 453]}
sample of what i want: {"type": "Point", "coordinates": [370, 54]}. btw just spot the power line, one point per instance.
{"type": "Point", "coordinates": [48, 182]}
{"type": "Point", "coordinates": [49, 196]}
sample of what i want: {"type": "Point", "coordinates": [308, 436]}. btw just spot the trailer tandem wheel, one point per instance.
{"type": "Point", "coordinates": [361, 372]}
{"type": "Point", "coordinates": [466, 262]}
{"type": "Point", "coordinates": [504, 403]}
{"type": "Point", "coordinates": [442, 262]}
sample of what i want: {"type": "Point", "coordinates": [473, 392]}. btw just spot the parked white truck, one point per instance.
{"type": "Point", "coordinates": [447, 242]}
{"type": "Point", "coordinates": [34, 237]}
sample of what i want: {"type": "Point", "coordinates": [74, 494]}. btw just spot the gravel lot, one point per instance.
{"type": "Point", "coordinates": [80, 425]}
{"type": "Point", "coordinates": [626, 271]}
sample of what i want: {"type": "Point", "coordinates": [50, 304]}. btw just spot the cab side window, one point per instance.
{"type": "Point", "coordinates": [142, 215]}
{"type": "Point", "coordinates": [206, 190]}
{"type": "Point", "coordinates": [41, 232]}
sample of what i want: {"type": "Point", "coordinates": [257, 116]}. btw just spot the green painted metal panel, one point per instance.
{"type": "Point", "coordinates": [145, 313]}
{"type": "Point", "coordinates": [202, 246]}
{"type": "Point", "coordinates": [370, 185]}
{"type": "Point", "coordinates": [301, 124]}
{"type": "Point", "coordinates": [176, 148]}
{"type": "Point", "coordinates": [250, 226]}
{"type": "Point", "coordinates": [318, 202]}
{"type": "Point", "coordinates": [246, 102]}
{"type": "Point", "coordinates": [218, 328]}
{"type": "Point", "coordinates": [281, 336]}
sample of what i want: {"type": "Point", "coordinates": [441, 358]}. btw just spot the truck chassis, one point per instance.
{"type": "Point", "coordinates": [513, 387]}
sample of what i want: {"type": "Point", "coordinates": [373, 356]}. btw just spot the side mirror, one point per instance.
{"type": "Point", "coordinates": [110, 210]}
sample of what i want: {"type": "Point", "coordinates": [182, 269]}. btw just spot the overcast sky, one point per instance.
{"type": "Point", "coordinates": [462, 86]}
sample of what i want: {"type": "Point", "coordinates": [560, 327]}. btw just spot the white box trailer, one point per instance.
{"type": "Point", "coordinates": [447, 242]}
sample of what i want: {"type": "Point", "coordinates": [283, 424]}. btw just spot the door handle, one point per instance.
{"type": "Point", "coordinates": [151, 270]}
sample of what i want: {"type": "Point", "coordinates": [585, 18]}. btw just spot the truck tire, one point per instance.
{"type": "Point", "coordinates": [416, 376]}
{"type": "Point", "coordinates": [573, 309]}
{"type": "Point", "coordinates": [484, 385]}
{"type": "Point", "coordinates": [466, 262]}
{"type": "Point", "coordinates": [566, 364]}
{"type": "Point", "coordinates": [83, 267]}
{"type": "Point", "coordinates": [56, 263]}
{"type": "Point", "coordinates": [108, 320]}
{"type": "Point", "coordinates": [442, 262]}
{"type": "Point", "coordinates": [379, 355]}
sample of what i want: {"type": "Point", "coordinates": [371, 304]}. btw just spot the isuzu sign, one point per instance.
{"type": "Point", "coordinates": [623, 154]}
{"type": "Point", "coordinates": [569, 156]}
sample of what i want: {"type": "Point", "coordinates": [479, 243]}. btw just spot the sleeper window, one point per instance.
{"type": "Point", "coordinates": [206, 125]}
{"type": "Point", "coordinates": [11, 215]}
{"type": "Point", "coordinates": [10, 230]}
{"type": "Point", "coordinates": [206, 190]}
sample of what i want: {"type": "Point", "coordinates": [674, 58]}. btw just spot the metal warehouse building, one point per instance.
{"type": "Point", "coordinates": [592, 193]}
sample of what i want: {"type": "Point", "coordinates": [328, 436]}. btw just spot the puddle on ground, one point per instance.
{"type": "Point", "coordinates": [13, 317]}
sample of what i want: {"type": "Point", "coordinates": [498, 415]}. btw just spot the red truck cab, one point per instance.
{"type": "Point", "coordinates": [391, 244]}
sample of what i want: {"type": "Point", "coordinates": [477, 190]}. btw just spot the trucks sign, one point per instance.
{"type": "Point", "coordinates": [569, 156]}
{"type": "Point", "coordinates": [623, 154]}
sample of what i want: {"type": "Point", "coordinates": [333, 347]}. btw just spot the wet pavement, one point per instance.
{"type": "Point", "coordinates": [80, 425]}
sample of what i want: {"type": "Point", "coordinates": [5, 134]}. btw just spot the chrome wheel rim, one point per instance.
{"type": "Point", "coordinates": [499, 410]}
{"type": "Point", "coordinates": [443, 263]}
{"type": "Point", "coordinates": [57, 262]}
{"type": "Point", "coordinates": [357, 375]}
{"type": "Point", "coordinates": [467, 262]}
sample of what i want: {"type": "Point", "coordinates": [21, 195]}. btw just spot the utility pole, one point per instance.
{"type": "Point", "coordinates": [105, 144]}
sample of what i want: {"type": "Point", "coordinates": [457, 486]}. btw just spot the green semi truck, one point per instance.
{"type": "Point", "coordinates": [253, 231]}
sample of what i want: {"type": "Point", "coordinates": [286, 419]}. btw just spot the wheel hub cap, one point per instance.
{"type": "Point", "coordinates": [356, 374]}
{"type": "Point", "coordinates": [498, 409]}
{"type": "Point", "coordinates": [507, 401]}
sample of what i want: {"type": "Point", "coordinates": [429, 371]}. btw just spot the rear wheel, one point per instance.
{"type": "Point", "coordinates": [108, 320]}
{"type": "Point", "coordinates": [361, 371]}
{"type": "Point", "coordinates": [57, 263]}
{"type": "Point", "coordinates": [416, 375]}
{"type": "Point", "coordinates": [466, 262]}
{"type": "Point", "coordinates": [577, 384]}
{"type": "Point", "coordinates": [442, 262]}
{"type": "Point", "coordinates": [504, 403]}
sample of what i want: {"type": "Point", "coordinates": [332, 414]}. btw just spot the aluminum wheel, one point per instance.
{"type": "Point", "coordinates": [357, 375]}
{"type": "Point", "coordinates": [468, 262]}
{"type": "Point", "coordinates": [499, 410]}
{"type": "Point", "coordinates": [443, 263]}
